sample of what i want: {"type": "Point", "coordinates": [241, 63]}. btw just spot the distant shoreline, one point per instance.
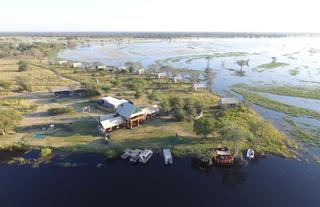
{"type": "Point", "coordinates": [163, 35]}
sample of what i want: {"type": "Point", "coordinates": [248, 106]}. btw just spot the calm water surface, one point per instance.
{"type": "Point", "coordinates": [269, 181]}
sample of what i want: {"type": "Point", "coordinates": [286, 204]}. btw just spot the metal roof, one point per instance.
{"type": "Point", "coordinates": [229, 101]}
{"type": "Point", "coordinates": [112, 122]}
{"type": "Point", "coordinates": [114, 101]}
{"type": "Point", "coordinates": [128, 110]}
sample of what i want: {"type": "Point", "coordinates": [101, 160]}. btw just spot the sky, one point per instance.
{"type": "Point", "coordinates": [160, 15]}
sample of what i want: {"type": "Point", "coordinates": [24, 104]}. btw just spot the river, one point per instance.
{"type": "Point", "coordinates": [97, 181]}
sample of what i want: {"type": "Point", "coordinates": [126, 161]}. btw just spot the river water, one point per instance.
{"type": "Point", "coordinates": [96, 181]}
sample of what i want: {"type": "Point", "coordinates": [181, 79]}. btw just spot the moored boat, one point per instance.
{"type": "Point", "coordinates": [145, 155]}
{"type": "Point", "coordinates": [223, 156]}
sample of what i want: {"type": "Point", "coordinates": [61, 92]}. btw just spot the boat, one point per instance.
{"type": "Point", "coordinates": [127, 153]}
{"type": "Point", "coordinates": [223, 156]}
{"type": "Point", "coordinates": [135, 155]}
{"type": "Point", "coordinates": [167, 156]}
{"type": "Point", "coordinates": [145, 155]}
{"type": "Point", "coordinates": [250, 154]}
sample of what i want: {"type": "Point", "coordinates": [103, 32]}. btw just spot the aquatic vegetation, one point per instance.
{"type": "Point", "coordinates": [45, 152]}
{"type": "Point", "coordinates": [294, 91]}
{"type": "Point", "coordinates": [294, 71]}
{"type": "Point", "coordinates": [68, 164]}
{"type": "Point", "coordinates": [275, 105]}
{"type": "Point", "coordinates": [270, 65]}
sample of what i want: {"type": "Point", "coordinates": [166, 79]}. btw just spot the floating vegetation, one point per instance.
{"type": "Point", "coordinates": [68, 164]}
{"type": "Point", "coordinates": [188, 59]}
{"type": "Point", "coordinates": [275, 105]}
{"type": "Point", "coordinates": [294, 71]}
{"type": "Point", "coordinates": [270, 65]}
{"type": "Point", "coordinates": [19, 161]}
{"type": "Point", "coordinates": [307, 136]}
{"type": "Point", "coordinates": [45, 152]}
{"type": "Point", "coordinates": [293, 91]}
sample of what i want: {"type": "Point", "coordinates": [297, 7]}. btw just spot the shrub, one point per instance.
{"type": "Point", "coordinates": [204, 126]}
{"type": "Point", "coordinates": [5, 84]}
{"type": "Point", "coordinates": [22, 66]}
{"type": "Point", "coordinates": [25, 86]}
{"type": "Point", "coordinates": [179, 115]}
{"type": "Point", "coordinates": [57, 111]}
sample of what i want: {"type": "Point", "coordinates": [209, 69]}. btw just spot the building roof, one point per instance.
{"type": "Point", "coordinates": [229, 101]}
{"type": "Point", "coordinates": [128, 110]}
{"type": "Point", "coordinates": [111, 121]}
{"type": "Point", "coordinates": [150, 110]}
{"type": "Point", "coordinates": [200, 85]}
{"type": "Point", "coordinates": [114, 101]}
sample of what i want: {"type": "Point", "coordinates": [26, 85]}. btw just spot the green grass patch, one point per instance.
{"type": "Point", "coordinates": [271, 65]}
{"type": "Point", "coordinates": [303, 92]}
{"type": "Point", "coordinates": [294, 71]}
{"type": "Point", "coordinates": [275, 105]}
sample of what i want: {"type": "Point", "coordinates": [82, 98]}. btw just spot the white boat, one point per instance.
{"type": "Point", "coordinates": [250, 154]}
{"type": "Point", "coordinates": [135, 155]}
{"type": "Point", "coordinates": [167, 156]}
{"type": "Point", "coordinates": [127, 153]}
{"type": "Point", "coordinates": [145, 156]}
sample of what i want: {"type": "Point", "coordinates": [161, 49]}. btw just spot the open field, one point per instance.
{"type": "Point", "coordinates": [33, 79]}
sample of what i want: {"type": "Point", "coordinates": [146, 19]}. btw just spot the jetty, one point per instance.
{"type": "Point", "coordinates": [167, 156]}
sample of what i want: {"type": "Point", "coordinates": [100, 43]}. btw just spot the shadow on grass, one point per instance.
{"type": "Point", "coordinates": [81, 128]}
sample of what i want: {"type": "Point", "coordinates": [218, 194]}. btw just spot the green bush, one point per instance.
{"type": "Point", "coordinates": [57, 111]}
{"type": "Point", "coordinates": [5, 84]}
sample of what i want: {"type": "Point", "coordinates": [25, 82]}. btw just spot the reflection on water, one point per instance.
{"type": "Point", "coordinates": [117, 182]}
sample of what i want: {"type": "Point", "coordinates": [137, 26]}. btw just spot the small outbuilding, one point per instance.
{"type": "Point", "coordinates": [76, 65]}
{"type": "Point", "coordinates": [161, 75]}
{"type": "Point", "coordinates": [62, 62]}
{"type": "Point", "coordinates": [228, 102]}
{"type": "Point", "coordinates": [140, 72]}
{"type": "Point", "coordinates": [101, 67]}
{"type": "Point", "coordinates": [200, 86]}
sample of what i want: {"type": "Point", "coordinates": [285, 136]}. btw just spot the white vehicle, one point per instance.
{"type": "Point", "coordinates": [135, 155]}
{"type": "Point", "coordinates": [250, 154]}
{"type": "Point", "coordinates": [145, 156]}
{"type": "Point", "coordinates": [167, 156]}
{"type": "Point", "coordinates": [127, 153]}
